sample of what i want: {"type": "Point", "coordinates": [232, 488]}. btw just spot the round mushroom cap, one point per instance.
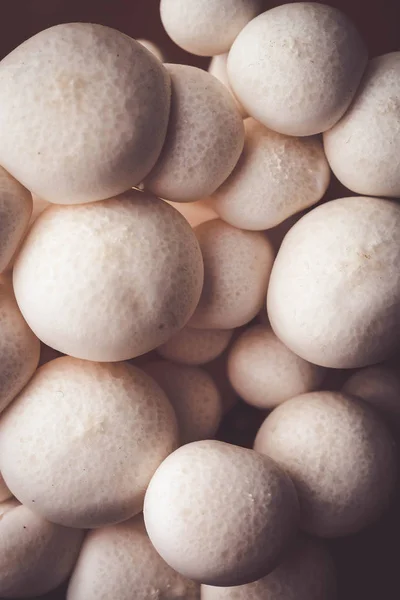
{"type": "Point", "coordinates": [82, 441]}
{"type": "Point", "coordinates": [119, 561]}
{"type": "Point", "coordinates": [207, 538]}
{"type": "Point", "coordinates": [296, 67]}
{"type": "Point", "coordinates": [380, 387]}
{"type": "Point", "coordinates": [110, 280]}
{"type": "Point", "coordinates": [340, 456]}
{"type": "Point", "coordinates": [15, 212]}
{"type": "Point", "coordinates": [193, 395]}
{"type": "Point", "coordinates": [204, 139]}
{"type": "Point", "coordinates": [35, 556]}
{"type": "Point", "coordinates": [334, 292]}
{"type": "Point", "coordinates": [219, 68]}
{"type": "Point", "coordinates": [196, 346]}
{"type": "Point", "coordinates": [265, 373]}
{"type": "Point", "coordinates": [206, 27]}
{"type": "Point", "coordinates": [4, 491]}
{"type": "Point", "coordinates": [19, 348]}
{"type": "Point", "coordinates": [306, 573]}
{"type": "Point", "coordinates": [89, 108]}
{"type": "Point", "coordinates": [275, 177]}
{"type": "Point", "coordinates": [363, 148]}
{"type": "Point", "coordinates": [237, 267]}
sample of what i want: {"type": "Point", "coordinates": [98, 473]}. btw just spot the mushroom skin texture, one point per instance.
{"type": "Point", "coordinates": [340, 456]}
{"type": "Point", "coordinates": [204, 139]}
{"type": "Point", "coordinates": [264, 373]}
{"type": "Point", "coordinates": [193, 395]}
{"type": "Point", "coordinates": [237, 268]}
{"type": "Point", "coordinates": [306, 573]}
{"type": "Point", "coordinates": [36, 556]}
{"type": "Point", "coordinates": [127, 272]}
{"type": "Point", "coordinates": [196, 346]}
{"type": "Point", "coordinates": [334, 291]}
{"type": "Point", "coordinates": [363, 148]}
{"type": "Point", "coordinates": [296, 67]}
{"type": "Point", "coordinates": [15, 213]}
{"type": "Point", "coordinates": [131, 565]}
{"type": "Point", "coordinates": [218, 68]}
{"type": "Point", "coordinates": [82, 441]}
{"type": "Point", "coordinates": [206, 27]}
{"type": "Point", "coordinates": [229, 516]}
{"type": "Point", "coordinates": [90, 107]}
{"type": "Point", "coordinates": [276, 177]}
{"type": "Point", "coordinates": [379, 386]}
{"type": "Point", "coordinates": [19, 348]}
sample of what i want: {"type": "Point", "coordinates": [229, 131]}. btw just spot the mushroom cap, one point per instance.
{"type": "Point", "coordinates": [109, 280]}
{"type": "Point", "coordinates": [82, 441]}
{"type": "Point", "coordinates": [89, 108]}
{"type": "Point", "coordinates": [296, 68]}
{"type": "Point", "coordinates": [207, 538]}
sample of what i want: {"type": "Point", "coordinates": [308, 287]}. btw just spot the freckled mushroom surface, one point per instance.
{"type": "Point", "coordinates": [119, 560]}
{"type": "Point", "coordinates": [237, 267]}
{"type": "Point", "coordinates": [204, 139]}
{"type": "Point", "coordinates": [306, 573]}
{"type": "Point", "coordinates": [35, 556]}
{"type": "Point", "coordinates": [363, 148]}
{"type": "Point", "coordinates": [227, 519]}
{"type": "Point", "coordinates": [19, 348]}
{"type": "Point", "coordinates": [296, 68]}
{"type": "Point", "coordinates": [340, 456]}
{"type": "Point", "coordinates": [275, 177]}
{"type": "Point", "coordinates": [127, 272]}
{"type": "Point", "coordinates": [334, 292]}
{"type": "Point", "coordinates": [90, 111]}
{"type": "Point", "coordinates": [81, 442]}
{"type": "Point", "coordinates": [206, 27]}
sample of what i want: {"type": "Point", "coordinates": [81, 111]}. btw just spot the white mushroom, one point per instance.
{"type": "Point", "coordinates": [89, 111]}
{"type": "Point", "coordinates": [296, 67]}
{"type": "Point", "coordinates": [228, 517]}
{"type": "Point", "coordinates": [127, 272]}
{"type": "Point", "coordinates": [82, 440]}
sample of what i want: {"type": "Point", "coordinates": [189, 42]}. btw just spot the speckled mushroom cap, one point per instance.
{"type": "Point", "coordinates": [275, 177]}
{"type": "Point", "coordinates": [196, 346]}
{"type": "Point", "coordinates": [228, 517]}
{"type": "Point", "coordinates": [90, 111]}
{"type": "Point", "coordinates": [218, 68]}
{"type": "Point", "coordinates": [306, 573]}
{"type": "Point", "coordinates": [204, 139]}
{"type": "Point", "coordinates": [81, 442]}
{"type": "Point", "coordinates": [237, 267]}
{"type": "Point", "coordinates": [296, 67]}
{"type": "Point", "coordinates": [363, 149]}
{"type": "Point", "coordinates": [35, 555]}
{"type": "Point", "coordinates": [127, 272]}
{"type": "Point", "coordinates": [340, 456]}
{"type": "Point", "coordinates": [194, 396]}
{"type": "Point", "coordinates": [119, 561]}
{"type": "Point", "coordinates": [19, 348]}
{"type": "Point", "coordinates": [206, 27]}
{"type": "Point", "coordinates": [15, 212]}
{"type": "Point", "coordinates": [380, 387]}
{"type": "Point", "coordinates": [265, 373]}
{"type": "Point", "coordinates": [334, 292]}
{"type": "Point", "coordinates": [4, 491]}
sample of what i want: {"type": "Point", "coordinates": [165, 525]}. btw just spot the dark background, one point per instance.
{"type": "Point", "coordinates": [369, 563]}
